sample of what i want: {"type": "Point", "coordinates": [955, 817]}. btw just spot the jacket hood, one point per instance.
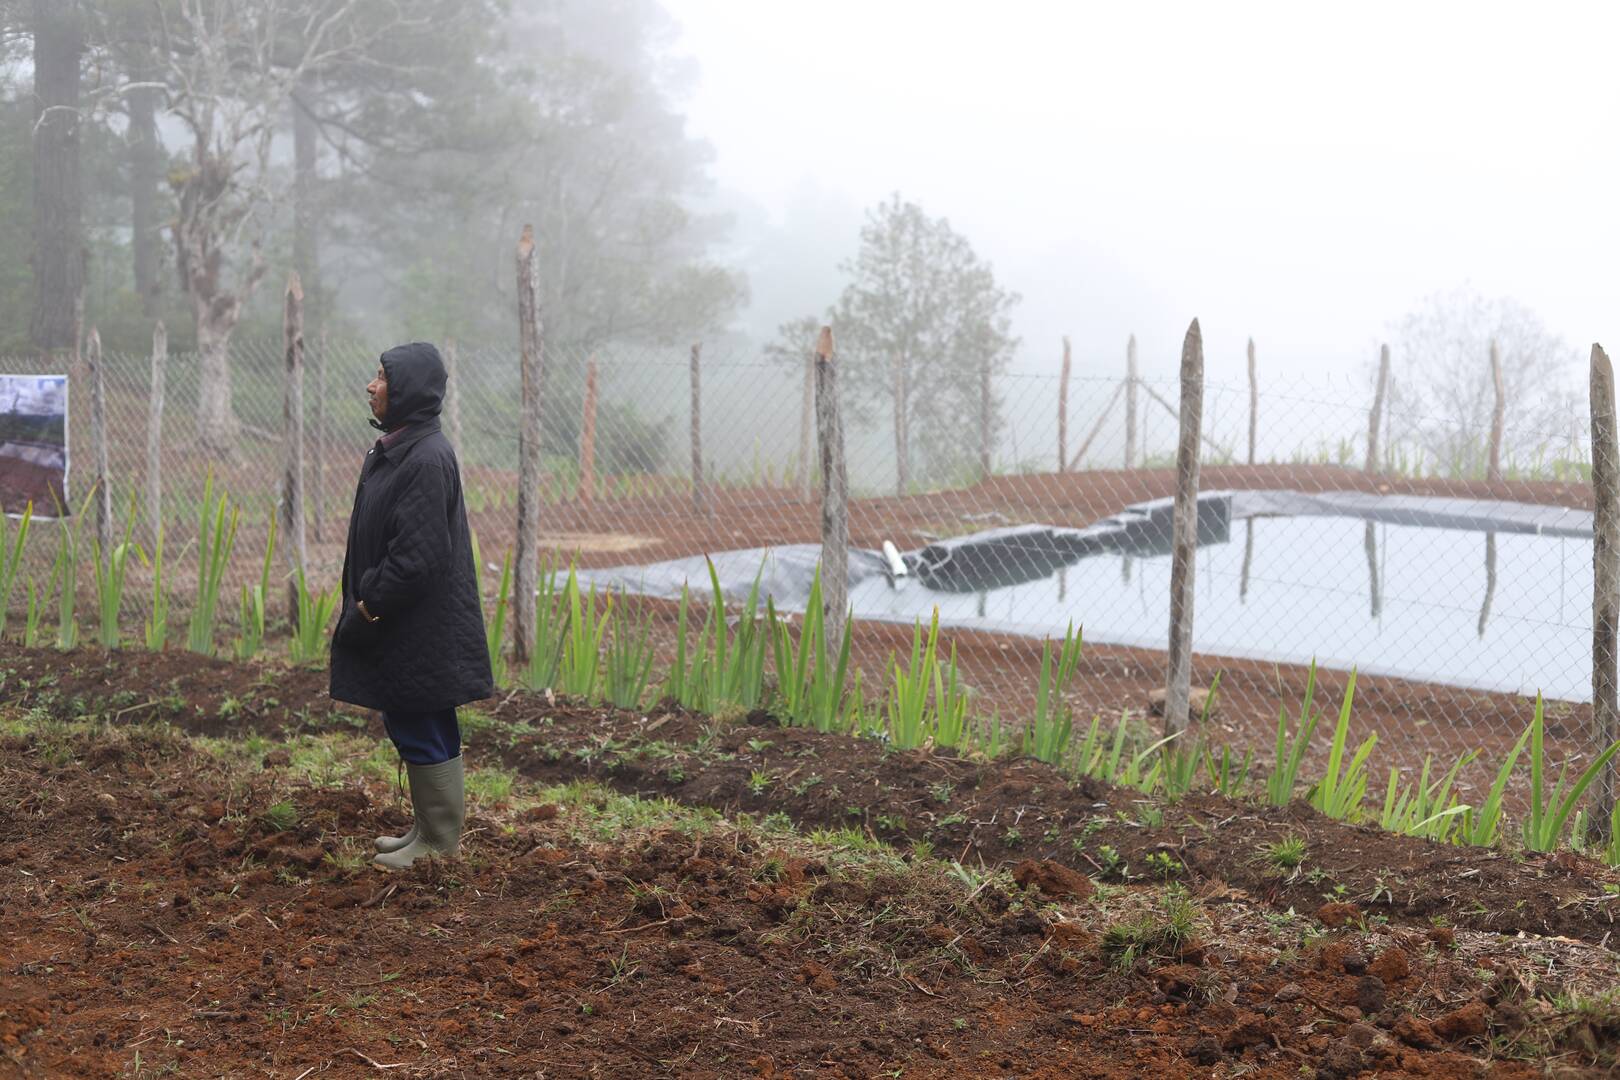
{"type": "Point", "coordinates": [416, 378]}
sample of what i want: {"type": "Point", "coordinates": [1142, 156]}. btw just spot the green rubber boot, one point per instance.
{"type": "Point", "coordinates": [438, 799]}
{"type": "Point", "coordinates": [394, 843]}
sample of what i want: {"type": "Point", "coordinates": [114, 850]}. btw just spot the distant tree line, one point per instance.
{"type": "Point", "coordinates": [166, 158]}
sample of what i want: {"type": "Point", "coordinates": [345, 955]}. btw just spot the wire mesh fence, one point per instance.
{"type": "Point", "coordinates": [1457, 588]}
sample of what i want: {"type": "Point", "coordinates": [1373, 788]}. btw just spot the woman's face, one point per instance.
{"type": "Point", "coordinates": [377, 390]}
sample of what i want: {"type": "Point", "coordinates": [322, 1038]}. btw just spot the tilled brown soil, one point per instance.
{"type": "Point", "coordinates": [972, 811]}
{"type": "Point", "coordinates": [157, 923]}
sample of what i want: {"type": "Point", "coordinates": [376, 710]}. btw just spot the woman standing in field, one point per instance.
{"type": "Point", "coordinates": [410, 640]}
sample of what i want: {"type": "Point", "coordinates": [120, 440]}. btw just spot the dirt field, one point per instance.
{"type": "Point", "coordinates": [183, 891]}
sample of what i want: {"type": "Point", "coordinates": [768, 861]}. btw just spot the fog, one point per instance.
{"type": "Point", "coordinates": [1301, 175]}
{"type": "Point", "coordinates": [956, 187]}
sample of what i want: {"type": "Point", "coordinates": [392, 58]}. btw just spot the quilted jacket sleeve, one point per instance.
{"type": "Point", "coordinates": [418, 551]}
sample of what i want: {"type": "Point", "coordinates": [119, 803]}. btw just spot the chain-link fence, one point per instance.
{"type": "Point", "coordinates": [1459, 590]}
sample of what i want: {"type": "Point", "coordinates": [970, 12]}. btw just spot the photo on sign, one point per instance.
{"type": "Point", "coordinates": [33, 444]}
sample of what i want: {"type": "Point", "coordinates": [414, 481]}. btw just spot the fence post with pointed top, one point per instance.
{"type": "Point", "coordinates": [1254, 403]}
{"type": "Point", "coordinates": [587, 437]}
{"type": "Point", "coordinates": [1063, 410]}
{"type": "Point", "coordinates": [1605, 584]}
{"type": "Point", "coordinates": [700, 503]}
{"type": "Point", "coordinates": [292, 433]}
{"type": "Point", "coordinates": [317, 500]}
{"type": "Point", "coordinates": [807, 422]}
{"type": "Point", "coordinates": [98, 439]}
{"type": "Point", "coordinates": [154, 431]}
{"type": "Point", "coordinates": [1375, 416]}
{"type": "Point", "coordinates": [1130, 403]}
{"type": "Point", "coordinates": [1184, 534]}
{"type": "Point", "coordinates": [834, 496]}
{"type": "Point", "coordinates": [530, 359]}
{"type": "Point", "coordinates": [1493, 467]}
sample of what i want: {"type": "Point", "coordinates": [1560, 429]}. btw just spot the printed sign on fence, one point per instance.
{"type": "Point", "coordinates": [33, 444]}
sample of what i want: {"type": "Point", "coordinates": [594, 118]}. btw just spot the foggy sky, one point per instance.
{"type": "Point", "coordinates": [1301, 174]}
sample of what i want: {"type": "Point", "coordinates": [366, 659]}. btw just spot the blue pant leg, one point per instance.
{"type": "Point", "coordinates": [424, 738]}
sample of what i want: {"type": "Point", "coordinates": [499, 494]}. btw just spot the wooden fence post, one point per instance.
{"type": "Point", "coordinates": [1254, 403]}
{"type": "Point", "coordinates": [1376, 415]}
{"type": "Point", "coordinates": [587, 437]}
{"type": "Point", "coordinates": [1184, 534]}
{"type": "Point", "coordinates": [318, 473]}
{"type": "Point", "coordinates": [1493, 469]}
{"type": "Point", "coordinates": [1605, 583]}
{"type": "Point", "coordinates": [452, 397]}
{"type": "Point", "coordinates": [528, 500]}
{"type": "Point", "coordinates": [154, 431]}
{"type": "Point", "coordinates": [1130, 403]}
{"type": "Point", "coordinates": [292, 441]}
{"type": "Point", "coordinates": [834, 497]}
{"type": "Point", "coordinates": [98, 440]}
{"type": "Point", "coordinates": [699, 501]}
{"type": "Point", "coordinates": [1063, 410]}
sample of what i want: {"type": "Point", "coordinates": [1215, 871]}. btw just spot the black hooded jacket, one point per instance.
{"type": "Point", "coordinates": [409, 557]}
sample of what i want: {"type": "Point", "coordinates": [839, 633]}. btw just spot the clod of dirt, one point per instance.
{"type": "Point", "coordinates": [1416, 1033]}
{"type": "Point", "coordinates": [1287, 993]}
{"type": "Point", "coordinates": [1341, 1060]}
{"type": "Point", "coordinates": [1468, 1022]}
{"type": "Point", "coordinates": [1361, 1034]}
{"type": "Point", "coordinates": [1443, 936]}
{"type": "Point", "coordinates": [277, 759]}
{"type": "Point", "coordinates": [1178, 981]}
{"type": "Point", "coordinates": [1392, 965]}
{"type": "Point", "coordinates": [1370, 994]}
{"type": "Point", "coordinates": [1197, 700]}
{"type": "Point", "coordinates": [817, 977]}
{"type": "Point", "coordinates": [1335, 915]}
{"type": "Point", "coordinates": [1054, 879]}
{"type": "Point", "coordinates": [543, 812]}
{"type": "Point", "coordinates": [1069, 937]}
{"type": "Point", "coordinates": [1249, 1029]}
{"type": "Point", "coordinates": [1354, 963]}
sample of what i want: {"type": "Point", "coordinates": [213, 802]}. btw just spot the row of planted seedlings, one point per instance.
{"type": "Point", "coordinates": [595, 647]}
{"type": "Point", "coordinates": [217, 527]}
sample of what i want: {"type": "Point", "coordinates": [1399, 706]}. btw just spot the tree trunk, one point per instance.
{"type": "Point", "coordinates": [59, 247]}
{"type": "Point", "coordinates": [218, 429]}
{"type": "Point", "coordinates": [1184, 534]}
{"type": "Point", "coordinates": [528, 501]}
{"type": "Point", "coordinates": [145, 173]}
{"type": "Point", "coordinates": [306, 210]}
